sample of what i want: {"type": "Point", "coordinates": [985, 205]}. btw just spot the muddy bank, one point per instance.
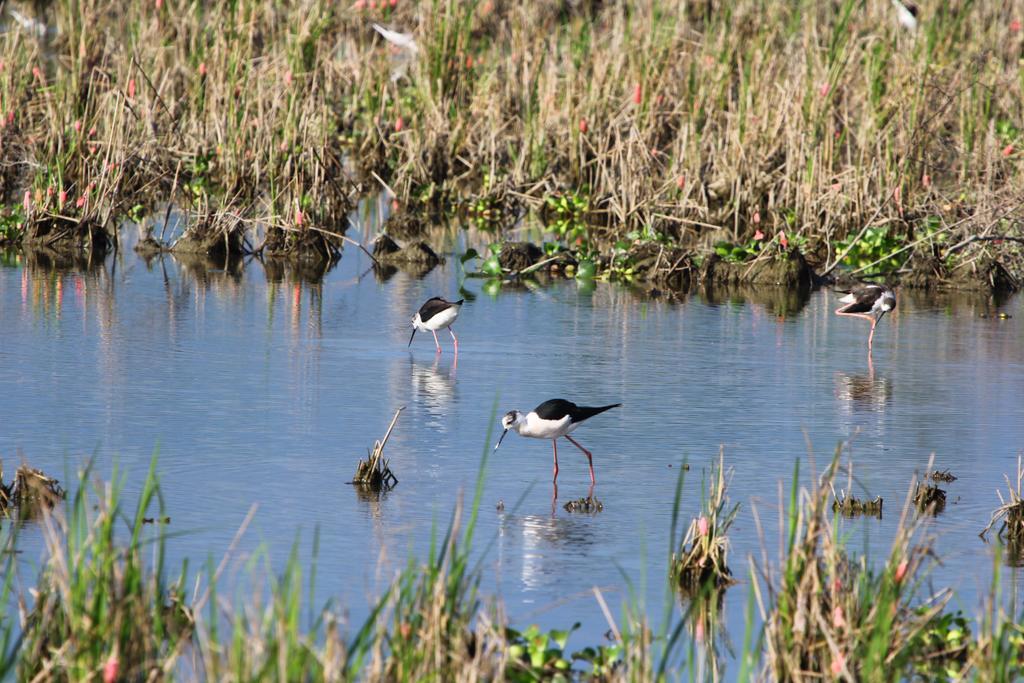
{"type": "Point", "coordinates": [67, 235]}
{"type": "Point", "coordinates": [983, 274]}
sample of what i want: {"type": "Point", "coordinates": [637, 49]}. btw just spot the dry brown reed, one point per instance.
{"type": "Point", "coordinates": [1010, 513]}
{"type": "Point", "coordinates": [829, 615]}
{"type": "Point", "coordinates": [811, 123]}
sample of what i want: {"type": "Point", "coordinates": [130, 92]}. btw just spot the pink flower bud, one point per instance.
{"type": "Point", "coordinates": [838, 620]}
{"type": "Point", "coordinates": [838, 664]}
{"type": "Point", "coordinates": [823, 90]}
{"type": "Point", "coordinates": [77, 125]}
{"type": "Point", "coordinates": [757, 217]}
{"type": "Point", "coordinates": [702, 526]}
{"type": "Point", "coordinates": [62, 197]}
{"type": "Point", "coordinates": [298, 217]}
{"type": "Point", "coordinates": [131, 88]}
{"type": "Point", "coordinates": [92, 132]}
{"type": "Point", "coordinates": [926, 180]}
{"type": "Point", "coordinates": [287, 77]}
{"type": "Point", "coordinates": [901, 571]}
{"type": "Point", "coordinates": [359, 4]}
{"type": "Point", "coordinates": [758, 235]}
{"type": "Point", "coordinates": [37, 73]}
{"type": "Point", "coordinates": [80, 202]}
{"type": "Point", "coordinates": [202, 68]}
{"type": "Point", "coordinates": [110, 669]}
{"type": "Point", "coordinates": [394, 3]}
{"type": "Point", "coordinates": [399, 124]}
{"type": "Point", "coordinates": [638, 94]}
{"type": "Point", "coordinates": [583, 126]}
{"type": "Point", "coordinates": [1015, 26]}
{"type": "Point", "coordinates": [159, 4]}
{"type": "Point", "coordinates": [681, 182]}
{"type": "Point", "coordinates": [1008, 150]}
{"type": "Point", "coordinates": [783, 240]}
{"type": "Point", "coordinates": [27, 201]}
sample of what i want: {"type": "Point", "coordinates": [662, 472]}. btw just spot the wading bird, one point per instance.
{"type": "Point", "coordinates": [404, 45]}
{"type": "Point", "coordinates": [906, 14]}
{"type": "Point", "coordinates": [434, 315]}
{"type": "Point", "coordinates": [551, 420]}
{"type": "Point", "coordinates": [870, 302]}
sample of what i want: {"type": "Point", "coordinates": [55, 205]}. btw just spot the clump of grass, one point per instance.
{"type": "Point", "coordinates": [827, 615]}
{"type": "Point", "coordinates": [589, 505]}
{"type": "Point", "coordinates": [929, 499]}
{"type": "Point", "coordinates": [99, 604]}
{"type": "Point", "coordinates": [1010, 513]}
{"type": "Point", "coordinates": [944, 476]}
{"type": "Point", "coordinates": [30, 491]}
{"type": "Point", "coordinates": [702, 556]}
{"type": "Point", "coordinates": [852, 506]}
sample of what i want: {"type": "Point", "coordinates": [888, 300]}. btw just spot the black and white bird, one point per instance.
{"type": "Point", "coordinates": [870, 302]}
{"type": "Point", "coordinates": [906, 14]}
{"type": "Point", "coordinates": [551, 420]}
{"type": "Point", "coordinates": [434, 315]}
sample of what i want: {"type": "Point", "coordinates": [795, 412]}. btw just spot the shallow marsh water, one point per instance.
{"type": "Point", "coordinates": [259, 388]}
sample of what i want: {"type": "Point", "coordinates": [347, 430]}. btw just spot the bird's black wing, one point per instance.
{"type": "Point", "coordinates": [558, 408]}
{"type": "Point", "coordinates": [864, 299]}
{"type": "Point", "coordinates": [434, 306]}
{"type": "Point", "coordinates": [555, 409]}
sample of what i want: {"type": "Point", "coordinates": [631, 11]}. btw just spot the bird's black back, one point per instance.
{"type": "Point", "coordinates": [865, 298]}
{"type": "Point", "coordinates": [558, 408]}
{"type": "Point", "coordinates": [436, 305]}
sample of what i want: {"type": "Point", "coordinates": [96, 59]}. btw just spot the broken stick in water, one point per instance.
{"type": "Point", "coordinates": [375, 472]}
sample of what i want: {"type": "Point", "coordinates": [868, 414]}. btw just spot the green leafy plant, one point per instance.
{"type": "Point", "coordinates": [874, 245]}
{"type": "Point", "coordinates": [538, 655]}
{"type": "Point", "coordinates": [12, 224]}
{"type": "Point", "coordinates": [566, 215]}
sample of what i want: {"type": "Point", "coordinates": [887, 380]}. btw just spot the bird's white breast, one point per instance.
{"type": "Point", "coordinates": [439, 321]}
{"type": "Point", "coordinates": [545, 429]}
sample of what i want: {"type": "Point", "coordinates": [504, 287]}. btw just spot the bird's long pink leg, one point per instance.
{"type": "Point", "coordinates": [590, 458]}
{"type": "Point", "coordinates": [554, 444]}
{"type": "Point", "coordinates": [874, 321]}
{"type": "Point", "coordinates": [855, 315]}
{"type": "Point", "coordinates": [436, 343]}
{"type": "Point", "coordinates": [454, 339]}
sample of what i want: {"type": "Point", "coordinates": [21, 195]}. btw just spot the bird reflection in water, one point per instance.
{"type": "Point", "coordinates": [863, 392]}
{"type": "Point", "coordinates": [549, 544]}
{"type": "Point", "coordinates": [434, 387]}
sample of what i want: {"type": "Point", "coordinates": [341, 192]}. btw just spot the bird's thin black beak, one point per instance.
{"type": "Point", "coordinates": [501, 439]}
{"type": "Point", "coordinates": [411, 336]}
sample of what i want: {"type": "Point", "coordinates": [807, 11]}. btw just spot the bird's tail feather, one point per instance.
{"type": "Point", "coordinates": [585, 412]}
